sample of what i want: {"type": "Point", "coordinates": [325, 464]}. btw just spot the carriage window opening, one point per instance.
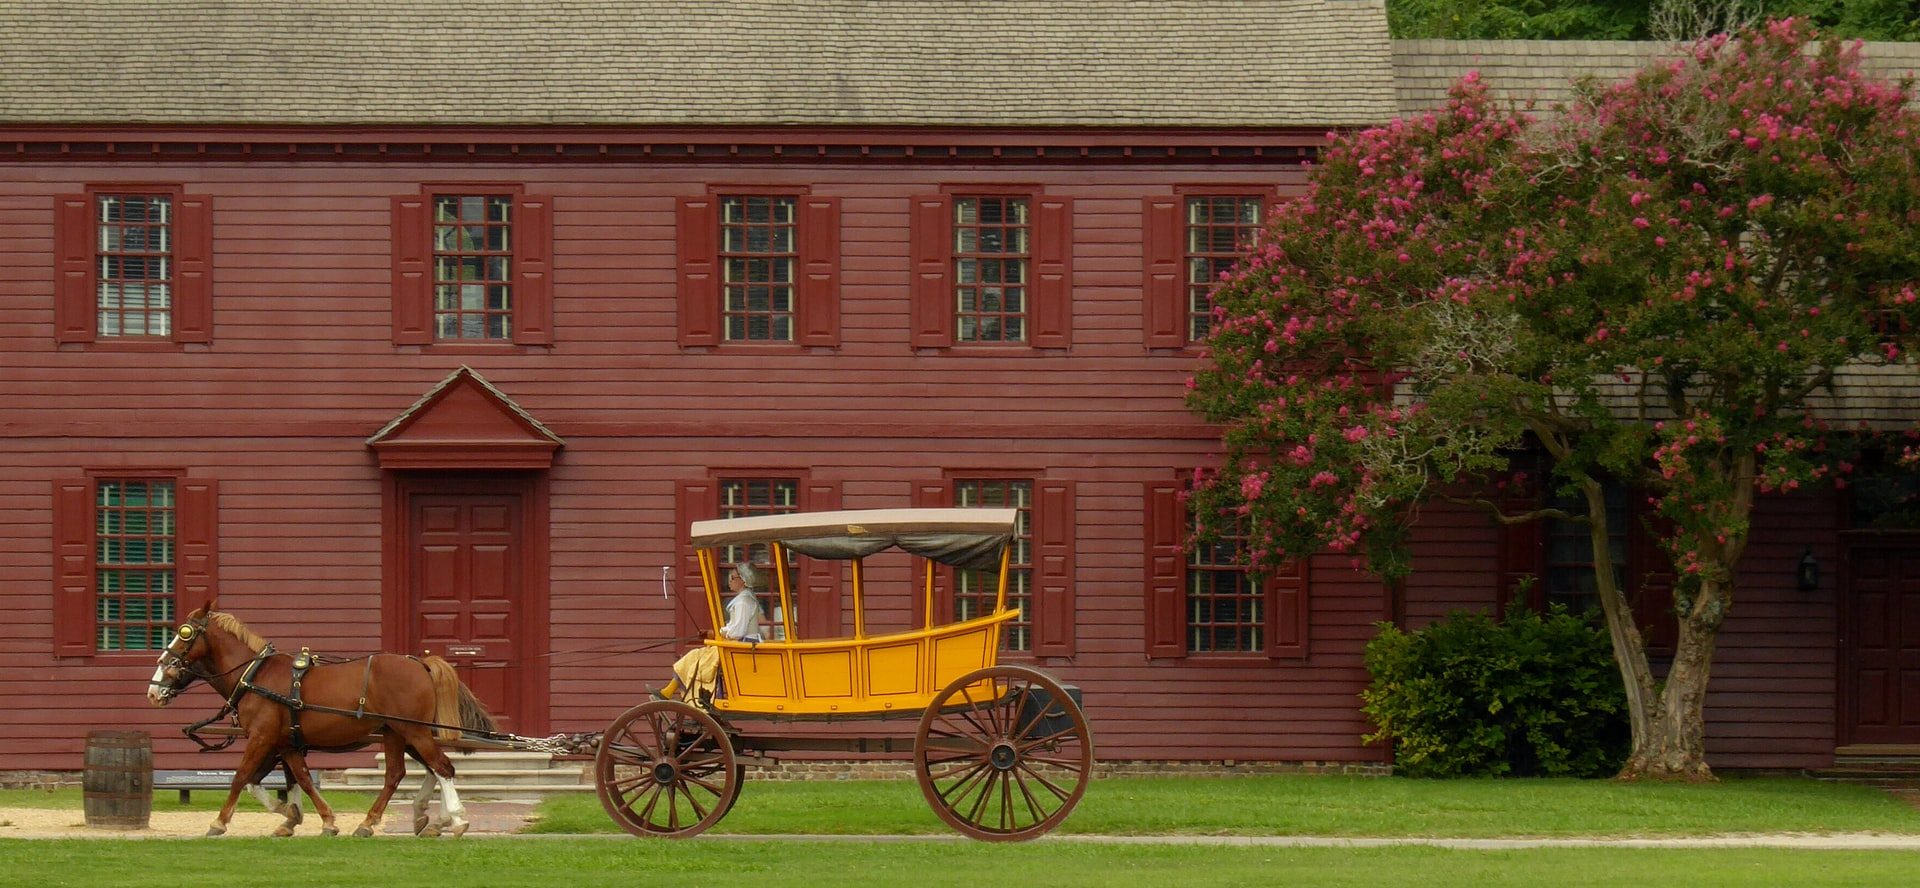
{"type": "Point", "coordinates": [134, 256]}
{"type": "Point", "coordinates": [758, 254]}
{"type": "Point", "coordinates": [974, 590]}
{"type": "Point", "coordinates": [473, 267]}
{"type": "Point", "coordinates": [990, 262]}
{"type": "Point", "coordinates": [1220, 230]}
{"type": "Point", "coordinates": [1226, 611]}
{"type": "Point", "coordinates": [134, 564]}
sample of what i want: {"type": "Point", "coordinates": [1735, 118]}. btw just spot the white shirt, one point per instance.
{"type": "Point", "coordinates": [743, 617]}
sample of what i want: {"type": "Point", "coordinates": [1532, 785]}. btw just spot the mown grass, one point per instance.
{"type": "Point", "coordinates": [920, 863]}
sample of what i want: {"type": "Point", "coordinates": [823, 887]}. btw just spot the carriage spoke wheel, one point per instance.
{"type": "Point", "coordinates": [666, 769]}
{"type": "Point", "coordinates": [1003, 754]}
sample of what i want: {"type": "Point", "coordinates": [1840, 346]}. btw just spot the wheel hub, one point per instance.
{"type": "Point", "coordinates": [664, 773]}
{"type": "Point", "coordinates": [1003, 756]}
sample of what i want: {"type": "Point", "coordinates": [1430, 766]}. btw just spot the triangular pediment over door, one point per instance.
{"type": "Point", "coordinates": [465, 423]}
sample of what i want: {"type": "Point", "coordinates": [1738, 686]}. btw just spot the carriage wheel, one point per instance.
{"type": "Point", "coordinates": [666, 769]}
{"type": "Point", "coordinates": [1003, 754]}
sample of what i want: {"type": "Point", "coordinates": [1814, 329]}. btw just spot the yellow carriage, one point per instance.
{"type": "Point", "coordinates": [1001, 752]}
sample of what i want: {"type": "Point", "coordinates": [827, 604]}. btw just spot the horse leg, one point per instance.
{"type": "Point", "coordinates": [453, 815]}
{"type": "Point", "coordinates": [296, 764]}
{"type": "Point", "coordinates": [395, 749]}
{"type": "Point", "coordinates": [258, 748]}
{"type": "Point", "coordinates": [429, 784]}
{"type": "Point", "coordinates": [290, 809]}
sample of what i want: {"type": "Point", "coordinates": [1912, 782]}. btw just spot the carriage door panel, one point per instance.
{"type": "Point", "coordinates": [466, 587]}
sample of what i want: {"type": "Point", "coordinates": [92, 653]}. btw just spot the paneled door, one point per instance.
{"type": "Point", "coordinates": [1883, 646]}
{"type": "Point", "coordinates": [465, 564]}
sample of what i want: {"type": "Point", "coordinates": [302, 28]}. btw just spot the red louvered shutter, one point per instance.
{"type": "Point", "coordinates": [75, 304]}
{"type": "Point", "coordinates": [197, 546]}
{"type": "Point", "coordinates": [1166, 604]}
{"type": "Point", "coordinates": [818, 300]}
{"type": "Point", "coordinates": [1287, 612]}
{"type": "Point", "coordinates": [1053, 272]}
{"type": "Point", "coordinates": [932, 495]}
{"type": "Point", "coordinates": [1163, 294]}
{"type": "Point", "coordinates": [412, 270]}
{"type": "Point", "coordinates": [193, 269]}
{"type": "Point", "coordinates": [930, 303]}
{"type": "Point", "coordinates": [699, 251]}
{"type": "Point", "coordinates": [533, 271]}
{"type": "Point", "coordinates": [692, 615]}
{"type": "Point", "coordinates": [818, 595]}
{"type": "Point", "coordinates": [73, 559]}
{"type": "Point", "coordinates": [1054, 514]}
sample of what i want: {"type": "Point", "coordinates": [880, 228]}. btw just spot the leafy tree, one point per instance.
{"type": "Point", "coordinates": [1639, 19]}
{"type": "Point", "coordinates": [1650, 287]}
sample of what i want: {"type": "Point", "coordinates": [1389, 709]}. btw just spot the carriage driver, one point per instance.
{"type": "Point", "coordinates": [696, 674]}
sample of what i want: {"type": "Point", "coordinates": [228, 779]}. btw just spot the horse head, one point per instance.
{"type": "Point", "coordinates": [179, 664]}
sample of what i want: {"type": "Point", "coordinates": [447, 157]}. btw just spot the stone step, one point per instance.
{"type": "Point", "coordinates": [512, 771]}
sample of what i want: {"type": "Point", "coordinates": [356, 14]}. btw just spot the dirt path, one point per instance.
{"type": "Point", "coordinates": [42, 823]}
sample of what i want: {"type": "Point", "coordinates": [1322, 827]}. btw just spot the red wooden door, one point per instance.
{"type": "Point", "coordinates": [466, 565]}
{"type": "Point", "coordinates": [1883, 646]}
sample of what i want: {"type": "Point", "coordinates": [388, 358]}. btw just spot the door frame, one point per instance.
{"type": "Point", "coordinates": [1846, 600]}
{"type": "Point", "coordinates": [531, 624]}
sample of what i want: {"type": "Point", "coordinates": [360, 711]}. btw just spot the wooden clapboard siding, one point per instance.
{"type": "Point", "coordinates": [302, 369]}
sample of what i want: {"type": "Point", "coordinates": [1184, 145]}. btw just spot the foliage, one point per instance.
{"type": "Point", "coordinates": [1656, 287]}
{"type": "Point", "coordinates": [1630, 19]}
{"type": "Point", "coordinates": [1527, 696]}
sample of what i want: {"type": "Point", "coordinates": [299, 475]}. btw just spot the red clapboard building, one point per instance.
{"type": "Point", "coordinates": [411, 326]}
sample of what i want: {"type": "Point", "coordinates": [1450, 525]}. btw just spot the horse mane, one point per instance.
{"type": "Point", "coordinates": [237, 629]}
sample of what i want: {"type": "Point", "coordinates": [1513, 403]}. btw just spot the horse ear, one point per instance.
{"type": "Point", "coordinates": [213, 604]}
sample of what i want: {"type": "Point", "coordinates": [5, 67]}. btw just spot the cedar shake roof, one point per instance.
{"type": "Point", "coordinates": [1545, 70]}
{"type": "Point", "coordinates": [1201, 63]}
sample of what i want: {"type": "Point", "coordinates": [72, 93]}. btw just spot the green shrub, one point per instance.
{"type": "Point", "coordinates": [1530, 695]}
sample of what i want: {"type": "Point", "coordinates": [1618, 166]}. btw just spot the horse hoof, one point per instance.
{"type": "Point", "coordinates": [332, 831]}
{"type": "Point", "coordinates": [431, 832]}
{"type": "Point", "coordinates": [363, 833]}
{"type": "Point", "coordinates": [282, 832]}
{"type": "Point", "coordinates": [420, 824]}
{"type": "Point", "coordinates": [213, 831]}
{"type": "Point", "coordinates": [459, 829]}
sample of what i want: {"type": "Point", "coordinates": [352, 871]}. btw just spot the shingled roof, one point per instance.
{"type": "Point", "coordinates": [1203, 63]}
{"type": "Point", "coordinates": [1544, 71]}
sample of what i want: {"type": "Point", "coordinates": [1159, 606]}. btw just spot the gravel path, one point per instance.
{"type": "Point", "coordinates": [248, 820]}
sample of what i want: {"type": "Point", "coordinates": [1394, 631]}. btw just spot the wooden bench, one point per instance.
{"type": "Point", "coordinates": [187, 781]}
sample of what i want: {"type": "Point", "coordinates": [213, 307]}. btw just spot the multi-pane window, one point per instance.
{"type": "Point", "coordinates": [133, 564]}
{"type": "Point", "coordinates": [1220, 230]}
{"type": "Point", "coordinates": [1570, 575]}
{"type": "Point", "coordinates": [758, 256]}
{"type": "Point", "coordinates": [746, 497]}
{"type": "Point", "coordinates": [974, 590]}
{"type": "Point", "coordinates": [990, 264]}
{"type": "Point", "coordinates": [1226, 611]}
{"type": "Point", "coordinates": [473, 267]}
{"type": "Point", "coordinates": [135, 275]}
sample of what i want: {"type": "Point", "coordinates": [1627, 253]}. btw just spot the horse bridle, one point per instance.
{"type": "Point", "coordinates": [173, 660]}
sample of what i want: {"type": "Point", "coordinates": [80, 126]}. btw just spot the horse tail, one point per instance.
{"type": "Point", "coordinates": [454, 703]}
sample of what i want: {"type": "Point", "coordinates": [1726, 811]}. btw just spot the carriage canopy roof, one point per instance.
{"type": "Point", "coordinates": [957, 537]}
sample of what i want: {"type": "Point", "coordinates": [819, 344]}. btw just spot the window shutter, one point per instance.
{"type": "Point", "coordinates": [1287, 610]}
{"type": "Point", "coordinates": [1166, 604]}
{"type": "Point", "coordinates": [932, 495]}
{"type": "Point", "coordinates": [1650, 573]}
{"type": "Point", "coordinates": [693, 501]}
{"type": "Point", "coordinates": [75, 305]}
{"type": "Point", "coordinates": [197, 548]}
{"type": "Point", "coordinates": [533, 271]}
{"type": "Point", "coordinates": [1054, 514]}
{"type": "Point", "coordinates": [193, 269]}
{"type": "Point", "coordinates": [1165, 281]}
{"type": "Point", "coordinates": [819, 594]}
{"type": "Point", "coordinates": [412, 271]}
{"type": "Point", "coordinates": [1522, 547]}
{"type": "Point", "coordinates": [1053, 272]}
{"type": "Point", "coordinates": [699, 222]}
{"type": "Point", "coordinates": [73, 558]}
{"type": "Point", "coordinates": [818, 298]}
{"type": "Point", "coordinates": [930, 304]}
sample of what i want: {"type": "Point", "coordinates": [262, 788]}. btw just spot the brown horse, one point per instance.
{"type": "Point", "coordinates": [342, 705]}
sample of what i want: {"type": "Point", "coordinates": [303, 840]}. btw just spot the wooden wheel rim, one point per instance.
{"type": "Point", "coordinates": [991, 774]}
{"type": "Point", "coordinates": [664, 768]}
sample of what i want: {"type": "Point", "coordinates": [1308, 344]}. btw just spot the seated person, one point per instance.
{"type": "Point", "coordinates": [696, 673]}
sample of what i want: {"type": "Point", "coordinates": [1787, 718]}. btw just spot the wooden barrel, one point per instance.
{"type": "Point", "coordinates": [118, 781]}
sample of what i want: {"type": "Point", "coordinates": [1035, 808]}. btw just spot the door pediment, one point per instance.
{"type": "Point", "coordinates": [465, 423]}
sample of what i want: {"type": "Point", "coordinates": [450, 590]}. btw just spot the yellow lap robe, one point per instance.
{"type": "Point", "coordinates": [698, 673]}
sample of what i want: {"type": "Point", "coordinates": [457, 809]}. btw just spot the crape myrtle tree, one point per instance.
{"type": "Point", "coordinates": [1655, 286]}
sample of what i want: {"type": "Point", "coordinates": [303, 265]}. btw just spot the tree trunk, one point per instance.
{"type": "Point", "coordinates": [1673, 746]}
